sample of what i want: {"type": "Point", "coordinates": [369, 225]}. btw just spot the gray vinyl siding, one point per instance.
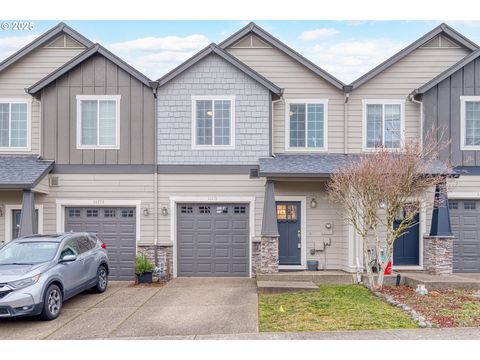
{"type": "Point", "coordinates": [212, 76]}
{"type": "Point", "coordinates": [98, 76]}
{"type": "Point", "coordinates": [26, 72]}
{"type": "Point", "coordinates": [396, 83]}
{"type": "Point", "coordinates": [442, 110]}
{"type": "Point", "coordinates": [298, 83]}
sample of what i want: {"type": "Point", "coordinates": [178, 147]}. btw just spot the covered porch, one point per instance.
{"type": "Point", "coordinates": [22, 179]}
{"type": "Point", "coordinates": [301, 224]}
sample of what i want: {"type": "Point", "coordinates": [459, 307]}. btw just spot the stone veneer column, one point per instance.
{"type": "Point", "coordinates": [438, 254]}
{"type": "Point", "coordinates": [269, 254]}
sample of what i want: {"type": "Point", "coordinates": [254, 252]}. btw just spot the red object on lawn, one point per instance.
{"type": "Point", "coordinates": [388, 269]}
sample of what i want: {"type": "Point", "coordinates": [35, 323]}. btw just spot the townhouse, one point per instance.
{"type": "Point", "coordinates": [221, 165]}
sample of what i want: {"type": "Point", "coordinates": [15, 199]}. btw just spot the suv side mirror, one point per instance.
{"type": "Point", "coordinates": [68, 258]}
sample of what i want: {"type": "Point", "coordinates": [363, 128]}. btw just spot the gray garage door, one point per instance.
{"type": "Point", "coordinates": [465, 219]}
{"type": "Point", "coordinates": [116, 226]}
{"type": "Point", "coordinates": [212, 240]}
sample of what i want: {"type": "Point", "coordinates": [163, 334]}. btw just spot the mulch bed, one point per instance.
{"type": "Point", "coordinates": [444, 308]}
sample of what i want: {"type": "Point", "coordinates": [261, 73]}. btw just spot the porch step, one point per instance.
{"type": "Point", "coordinates": [317, 277]}
{"type": "Point", "coordinates": [439, 282]}
{"type": "Point", "coordinates": [275, 287]}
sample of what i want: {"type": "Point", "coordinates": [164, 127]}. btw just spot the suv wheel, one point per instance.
{"type": "Point", "coordinates": [102, 280]}
{"type": "Point", "coordinates": [52, 303]}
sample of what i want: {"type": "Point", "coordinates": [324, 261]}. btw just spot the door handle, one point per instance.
{"type": "Point", "coordinates": [299, 234]}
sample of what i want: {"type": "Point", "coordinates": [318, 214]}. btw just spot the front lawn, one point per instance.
{"type": "Point", "coordinates": [332, 307]}
{"type": "Point", "coordinates": [445, 308]}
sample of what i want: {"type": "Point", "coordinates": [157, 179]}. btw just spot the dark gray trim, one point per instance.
{"type": "Point", "coordinates": [206, 169]}
{"type": "Point", "coordinates": [467, 170]}
{"type": "Point", "coordinates": [441, 214]}
{"type": "Point", "coordinates": [269, 223]}
{"type": "Point", "coordinates": [104, 169]}
{"type": "Point", "coordinates": [442, 28]}
{"type": "Point", "coordinates": [94, 49]}
{"type": "Point", "coordinates": [42, 39]}
{"type": "Point", "coordinates": [447, 73]}
{"type": "Point", "coordinates": [292, 175]}
{"type": "Point", "coordinates": [215, 49]}
{"type": "Point", "coordinates": [265, 36]}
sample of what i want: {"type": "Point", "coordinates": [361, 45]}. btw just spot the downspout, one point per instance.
{"type": "Point", "coordinates": [154, 85]}
{"type": "Point", "coordinates": [271, 123]}
{"type": "Point", "coordinates": [411, 97]}
{"type": "Point", "coordinates": [347, 90]}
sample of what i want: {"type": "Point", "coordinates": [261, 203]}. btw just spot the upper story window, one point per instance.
{"type": "Point", "coordinates": [98, 121]}
{"type": "Point", "coordinates": [14, 124]}
{"type": "Point", "coordinates": [213, 122]}
{"type": "Point", "coordinates": [470, 122]}
{"type": "Point", "coordinates": [306, 125]}
{"type": "Point", "coordinates": [383, 123]}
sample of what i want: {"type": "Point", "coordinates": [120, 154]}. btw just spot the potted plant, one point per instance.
{"type": "Point", "coordinates": [143, 269]}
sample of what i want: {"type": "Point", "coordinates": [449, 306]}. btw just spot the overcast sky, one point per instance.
{"type": "Point", "coordinates": [346, 49]}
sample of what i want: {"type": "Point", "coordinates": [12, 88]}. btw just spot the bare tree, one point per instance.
{"type": "Point", "coordinates": [383, 190]}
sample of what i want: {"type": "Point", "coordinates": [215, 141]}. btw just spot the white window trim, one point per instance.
{"type": "Point", "coordinates": [27, 101]}
{"type": "Point", "coordinates": [174, 200]}
{"type": "Point", "coordinates": [230, 98]}
{"type": "Point", "coordinates": [366, 102]}
{"type": "Point", "coordinates": [81, 98]}
{"type": "Point", "coordinates": [9, 219]}
{"type": "Point", "coordinates": [463, 100]}
{"type": "Point", "coordinates": [323, 102]}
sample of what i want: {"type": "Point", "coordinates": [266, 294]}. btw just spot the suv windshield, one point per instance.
{"type": "Point", "coordinates": [26, 253]}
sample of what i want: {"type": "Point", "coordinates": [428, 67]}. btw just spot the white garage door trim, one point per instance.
{"type": "Point", "coordinates": [63, 203]}
{"type": "Point", "coordinates": [464, 195]}
{"type": "Point", "coordinates": [174, 200]}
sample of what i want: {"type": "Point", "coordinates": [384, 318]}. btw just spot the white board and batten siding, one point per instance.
{"type": "Point", "coordinates": [298, 83]}
{"type": "Point", "coordinates": [26, 72]}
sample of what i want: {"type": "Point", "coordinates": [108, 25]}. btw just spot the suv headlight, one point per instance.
{"type": "Point", "coordinates": [19, 284]}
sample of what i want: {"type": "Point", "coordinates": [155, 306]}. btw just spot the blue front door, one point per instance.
{"type": "Point", "coordinates": [406, 247]}
{"type": "Point", "coordinates": [288, 219]}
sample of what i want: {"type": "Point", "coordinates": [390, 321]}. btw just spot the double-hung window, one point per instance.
{"type": "Point", "coordinates": [383, 124]}
{"type": "Point", "coordinates": [98, 121]}
{"type": "Point", "coordinates": [306, 125]}
{"type": "Point", "coordinates": [14, 124]}
{"type": "Point", "coordinates": [213, 122]}
{"type": "Point", "coordinates": [470, 122]}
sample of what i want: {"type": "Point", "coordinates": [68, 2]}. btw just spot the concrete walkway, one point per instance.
{"type": "Point", "coordinates": [399, 334]}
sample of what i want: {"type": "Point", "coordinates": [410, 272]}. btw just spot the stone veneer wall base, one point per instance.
{"type": "Point", "coordinates": [269, 254]}
{"type": "Point", "coordinates": [438, 254]}
{"type": "Point", "coordinates": [162, 253]}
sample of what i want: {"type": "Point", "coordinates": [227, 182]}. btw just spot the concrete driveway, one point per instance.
{"type": "Point", "coordinates": [184, 306]}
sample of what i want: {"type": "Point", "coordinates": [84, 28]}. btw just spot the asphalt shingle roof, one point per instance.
{"type": "Point", "coordinates": [22, 171]}
{"type": "Point", "coordinates": [318, 165]}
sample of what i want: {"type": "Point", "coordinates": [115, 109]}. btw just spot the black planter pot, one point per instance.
{"type": "Point", "coordinates": [145, 278]}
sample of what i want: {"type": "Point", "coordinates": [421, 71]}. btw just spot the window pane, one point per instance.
{"type": "Point", "coordinates": [392, 126]}
{"type": "Point", "coordinates": [472, 123]}
{"type": "Point", "coordinates": [18, 123]}
{"type": "Point", "coordinates": [4, 125]}
{"type": "Point", "coordinates": [107, 122]}
{"type": "Point", "coordinates": [204, 122]}
{"type": "Point", "coordinates": [281, 212]}
{"type": "Point", "coordinates": [315, 125]}
{"type": "Point", "coordinates": [89, 122]}
{"type": "Point", "coordinates": [297, 125]}
{"type": "Point", "coordinates": [222, 115]}
{"type": "Point", "coordinates": [374, 125]}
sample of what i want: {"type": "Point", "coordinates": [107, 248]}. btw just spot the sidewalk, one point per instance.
{"type": "Point", "coordinates": [398, 334]}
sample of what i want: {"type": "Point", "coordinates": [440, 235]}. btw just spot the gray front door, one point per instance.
{"type": "Point", "coordinates": [16, 223]}
{"type": "Point", "coordinates": [289, 228]}
{"type": "Point", "coordinates": [465, 220]}
{"type": "Point", "coordinates": [116, 226]}
{"type": "Point", "coordinates": [212, 240]}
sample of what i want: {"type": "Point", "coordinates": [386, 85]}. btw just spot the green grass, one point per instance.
{"type": "Point", "coordinates": [332, 307]}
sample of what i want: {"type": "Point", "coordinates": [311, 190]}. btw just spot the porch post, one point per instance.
{"type": "Point", "coordinates": [438, 245]}
{"type": "Point", "coordinates": [269, 235]}
{"type": "Point", "coordinates": [27, 217]}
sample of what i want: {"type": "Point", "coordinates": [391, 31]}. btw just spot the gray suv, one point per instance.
{"type": "Point", "coordinates": [39, 272]}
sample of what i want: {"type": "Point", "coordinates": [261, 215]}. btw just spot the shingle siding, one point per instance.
{"type": "Point", "coordinates": [212, 76]}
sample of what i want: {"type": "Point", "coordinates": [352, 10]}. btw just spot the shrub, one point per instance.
{"type": "Point", "coordinates": [143, 265]}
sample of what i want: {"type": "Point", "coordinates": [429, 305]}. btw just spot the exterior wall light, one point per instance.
{"type": "Point", "coordinates": [145, 212]}
{"type": "Point", "coordinates": [313, 203]}
{"type": "Point", "coordinates": [164, 211]}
